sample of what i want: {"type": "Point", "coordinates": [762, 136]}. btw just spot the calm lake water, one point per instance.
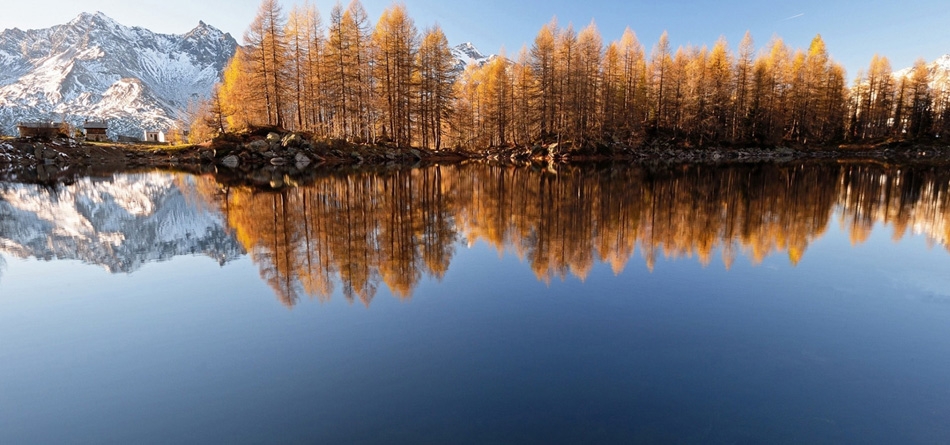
{"type": "Point", "coordinates": [480, 304]}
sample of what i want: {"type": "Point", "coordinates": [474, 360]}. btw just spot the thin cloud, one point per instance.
{"type": "Point", "coordinates": [793, 17]}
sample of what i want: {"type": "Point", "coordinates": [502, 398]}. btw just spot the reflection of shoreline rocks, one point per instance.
{"type": "Point", "coordinates": [119, 223]}
{"type": "Point", "coordinates": [354, 231]}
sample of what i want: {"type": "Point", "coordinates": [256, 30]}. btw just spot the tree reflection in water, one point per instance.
{"type": "Point", "coordinates": [360, 229]}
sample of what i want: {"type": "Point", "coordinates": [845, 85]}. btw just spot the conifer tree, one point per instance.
{"type": "Point", "coordinates": [543, 65]}
{"type": "Point", "coordinates": [435, 64]}
{"type": "Point", "coordinates": [267, 50]}
{"type": "Point", "coordinates": [660, 62]}
{"type": "Point", "coordinates": [395, 45]}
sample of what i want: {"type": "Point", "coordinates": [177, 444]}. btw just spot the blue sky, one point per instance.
{"type": "Point", "coordinates": [853, 30]}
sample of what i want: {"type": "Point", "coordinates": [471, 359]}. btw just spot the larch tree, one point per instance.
{"type": "Point", "coordinates": [743, 81]}
{"type": "Point", "coordinates": [347, 70]}
{"type": "Point", "coordinates": [525, 116]}
{"type": "Point", "coordinates": [590, 47]}
{"type": "Point", "coordinates": [567, 79]}
{"type": "Point", "coordinates": [315, 85]}
{"type": "Point", "coordinates": [543, 66]}
{"type": "Point", "coordinates": [297, 32]}
{"type": "Point", "coordinates": [720, 74]}
{"type": "Point", "coordinates": [633, 85]}
{"type": "Point", "coordinates": [611, 92]}
{"type": "Point", "coordinates": [660, 61]}
{"type": "Point", "coordinates": [496, 95]}
{"type": "Point", "coordinates": [267, 51]}
{"type": "Point", "coordinates": [920, 101]}
{"type": "Point", "coordinates": [235, 92]}
{"type": "Point", "coordinates": [395, 46]}
{"type": "Point", "coordinates": [435, 62]}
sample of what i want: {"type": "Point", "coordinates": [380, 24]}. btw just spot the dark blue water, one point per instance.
{"type": "Point", "coordinates": [755, 304]}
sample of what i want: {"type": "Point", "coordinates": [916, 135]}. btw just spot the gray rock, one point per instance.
{"type": "Point", "coordinates": [301, 161]}
{"type": "Point", "coordinates": [231, 161]}
{"type": "Point", "coordinates": [273, 137]}
{"type": "Point", "coordinates": [278, 161]}
{"type": "Point", "coordinates": [259, 146]}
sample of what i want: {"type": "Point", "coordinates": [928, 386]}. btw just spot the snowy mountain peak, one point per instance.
{"type": "Point", "coordinates": [939, 72]}
{"type": "Point", "coordinates": [94, 68]}
{"type": "Point", "coordinates": [469, 49]}
{"type": "Point", "coordinates": [466, 54]}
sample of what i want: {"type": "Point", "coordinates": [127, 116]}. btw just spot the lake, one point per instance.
{"type": "Point", "coordinates": [480, 303]}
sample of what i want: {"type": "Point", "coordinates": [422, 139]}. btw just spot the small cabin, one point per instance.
{"type": "Point", "coordinates": [96, 131]}
{"type": "Point", "coordinates": [155, 136]}
{"type": "Point", "coordinates": [46, 130]}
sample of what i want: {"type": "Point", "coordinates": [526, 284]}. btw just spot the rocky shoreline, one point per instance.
{"type": "Point", "coordinates": [278, 158]}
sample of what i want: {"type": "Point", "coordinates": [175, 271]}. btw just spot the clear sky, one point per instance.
{"type": "Point", "coordinates": [853, 30]}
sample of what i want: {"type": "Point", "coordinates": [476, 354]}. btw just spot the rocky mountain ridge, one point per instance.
{"type": "Point", "coordinates": [94, 68]}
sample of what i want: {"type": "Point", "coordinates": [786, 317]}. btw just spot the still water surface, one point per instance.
{"type": "Point", "coordinates": [477, 304]}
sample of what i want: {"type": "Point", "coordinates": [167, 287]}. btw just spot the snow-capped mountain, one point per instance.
{"type": "Point", "coordinates": [466, 54]}
{"type": "Point", "coordinates": [97, 69]}
{"type": "Point", "coordinates": [939, 72]}
{"type": "Point", "coordinates": [119, 223]}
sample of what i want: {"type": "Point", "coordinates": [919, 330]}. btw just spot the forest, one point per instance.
{"type": "Point", "coordinates": [393, 84]}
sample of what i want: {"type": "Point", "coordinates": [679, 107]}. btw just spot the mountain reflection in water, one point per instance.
{"type": "Point", "coordinates": [354, 231]}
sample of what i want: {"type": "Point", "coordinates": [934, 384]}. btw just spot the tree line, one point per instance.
{"type": "Point", "coordinates": [392, 83]}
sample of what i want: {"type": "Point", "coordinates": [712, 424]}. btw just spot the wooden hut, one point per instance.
{"type": "Point", "coordinates": [96, 131]}
{"type": "Point", "coordinates": [47, 130]}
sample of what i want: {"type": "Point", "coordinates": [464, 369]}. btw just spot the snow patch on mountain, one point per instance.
{"type": "Point", "coordinates": [94, 68]}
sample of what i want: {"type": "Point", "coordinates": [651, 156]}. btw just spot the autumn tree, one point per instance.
{"type": "Point", "coordinates": [743, 74]}
{"type": "Point", "coordinates": [660, 61]}
{"type": "Point", "coordinates": [235, 92]}
{"type": "Point", "coordinates": [348, 76]}
{"type": "Point", "coordinates": [920, 101]}
{"type": "Point", "coordinates": [395, 46]}
{"type": "Point", "coordinates": [266, 48]}
{"type": "Point", "coordinates": [525, 117]}
{"type": "Point", "coordinates": [543, 65]}
{"type": "Point", "coordinates": [305, 44]}
{"type": "Point", "coordinates": [435, 64]}
{"type": "Point", "coordinates": [633, 86]}
{"type": "Point", "coordinates": [590, 47]}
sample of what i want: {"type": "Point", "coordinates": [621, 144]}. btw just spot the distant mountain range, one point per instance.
{"type": "Point", "coordinates": [97, 69]}
{"type": "Point", "coordinates": [94, 68]}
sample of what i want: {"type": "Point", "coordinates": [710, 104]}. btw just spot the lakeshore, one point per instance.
{"type": "Point", "coordinates": [276, 158]}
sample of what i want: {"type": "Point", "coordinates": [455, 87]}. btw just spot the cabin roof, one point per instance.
{"type": "Point", "coordinates": [91, 125]}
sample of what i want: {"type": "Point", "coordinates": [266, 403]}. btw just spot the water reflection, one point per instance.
{"type": "Point", "coordinates": [118, 223]}
{"type": "Point", "coordinates": [352, 232]}
{"type": "Point", "coordinates": [360, 230]}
